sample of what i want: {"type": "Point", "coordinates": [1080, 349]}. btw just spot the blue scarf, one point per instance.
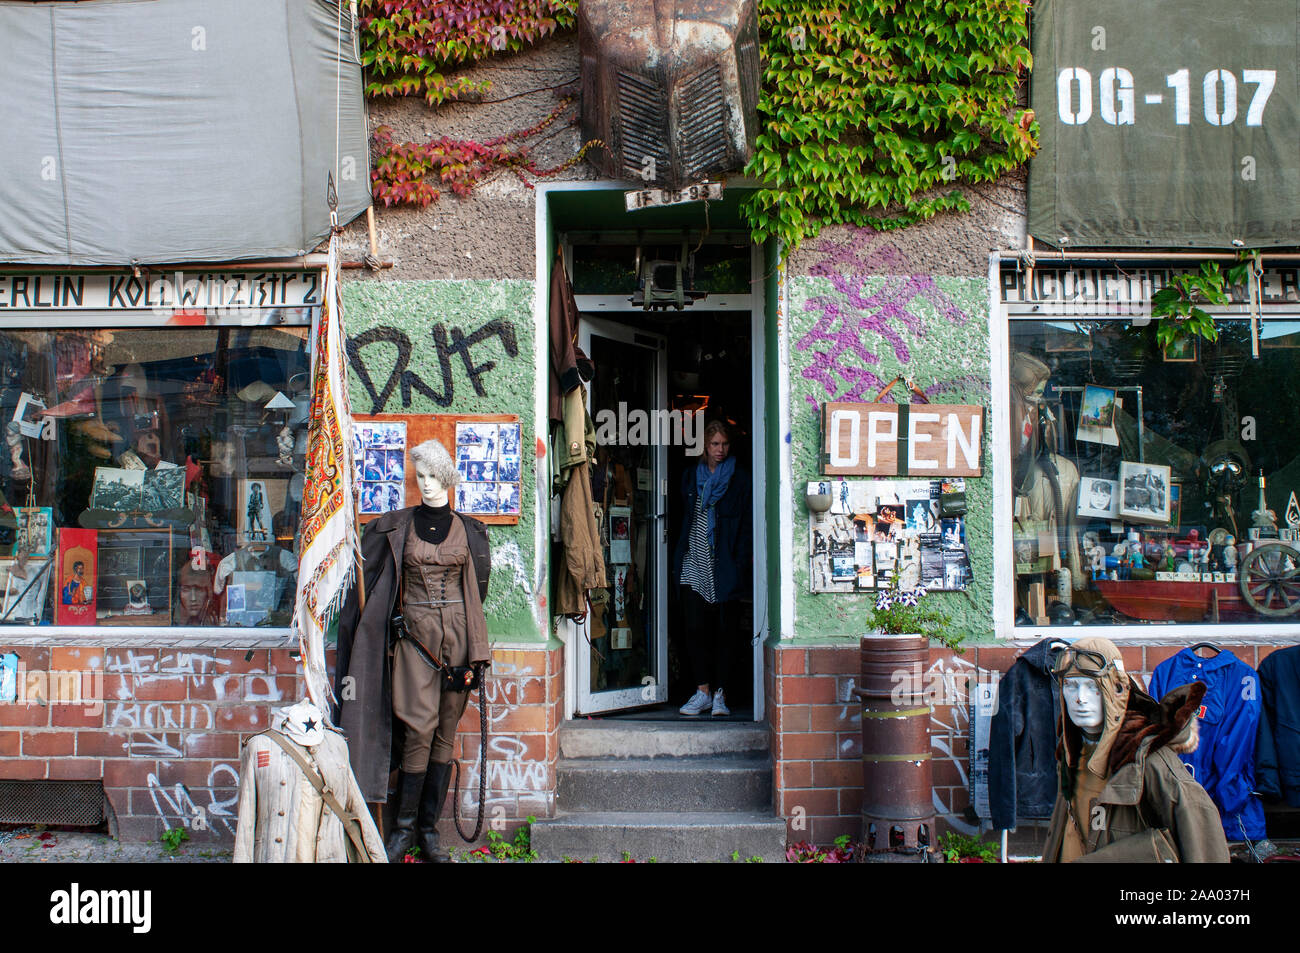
{"type": "Point", "coordinates": [711, 486]}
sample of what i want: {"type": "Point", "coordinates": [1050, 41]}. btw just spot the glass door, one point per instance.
{"type": "Point", "coordinates": [623, 652]}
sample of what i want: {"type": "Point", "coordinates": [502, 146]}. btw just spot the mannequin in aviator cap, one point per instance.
{"type": "Point", "coordinates": [1124, 795]}
{"type": "Point", "coordinates": [424, 562]}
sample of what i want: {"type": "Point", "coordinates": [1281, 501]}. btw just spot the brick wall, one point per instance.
{"type": "Point", "coordinates": [162, 727]}
{"type": "Point", "coordinates": [816, 731]}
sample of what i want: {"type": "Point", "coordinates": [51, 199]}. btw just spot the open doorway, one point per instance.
{"type": "Point", "coordinates": [662, 379]}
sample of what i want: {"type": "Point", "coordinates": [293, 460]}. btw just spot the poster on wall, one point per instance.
{"type": "Point", "coordinates": [879, 530]}
{"type": "Point", "coordinates": [487, 457]}
{"type": "Point", "coordinates": [379, 466]}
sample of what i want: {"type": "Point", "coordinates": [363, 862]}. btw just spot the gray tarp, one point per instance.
{"type": "Point", "coordinates": [1166, 122]}
{"type": "Point", "coordinates": [158, 131]}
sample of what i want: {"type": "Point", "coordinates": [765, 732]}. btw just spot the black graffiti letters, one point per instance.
{"type": "Point", "coordinates": [447, 344]}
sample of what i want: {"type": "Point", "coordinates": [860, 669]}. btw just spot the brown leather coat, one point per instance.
{"type": "Point", "coordinates": [363, 681]}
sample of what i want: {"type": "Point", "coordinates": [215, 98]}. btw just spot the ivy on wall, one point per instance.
{"type": "Point", "coordinates": [409, 45]}
{"type": "Point", "coordinates": [876, 111]}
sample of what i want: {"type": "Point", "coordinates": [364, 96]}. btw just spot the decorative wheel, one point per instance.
{"type": "Point", "coordinates": [1269, 578]}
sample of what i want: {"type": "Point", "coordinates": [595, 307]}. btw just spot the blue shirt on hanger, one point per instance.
{"type": "Point", "coordinates": [1224, 761]}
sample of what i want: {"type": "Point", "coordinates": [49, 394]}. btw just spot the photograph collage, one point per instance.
{"type": "Point", "coordinates": [876, 531]}
{"type": "Point", "coordinates": [379, 465]}
{"type": "Point", "coordinates": [487, 457]}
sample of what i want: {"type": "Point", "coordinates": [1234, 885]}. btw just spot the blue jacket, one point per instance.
{"type": "Point", "coordinates": [1022, 740]}
{"type": "Point", "coordinates": [1277, 754]}
{"type": "Point", "coordinates": [1224, 761]}
{"type": "Point", "coordinates": [733, 535]}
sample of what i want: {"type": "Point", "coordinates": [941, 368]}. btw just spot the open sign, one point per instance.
{"type": "Point", "coordinates": [902, 439]}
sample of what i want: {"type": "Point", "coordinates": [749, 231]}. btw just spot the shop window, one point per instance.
{"type": "Point", "coordinates": [152, 476]}
{"type": "Point", "coordinates": [1154, 485]}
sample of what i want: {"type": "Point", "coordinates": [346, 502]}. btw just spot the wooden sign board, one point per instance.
{"type": "Point", "coordinates": [440, 427]}
{"type": "Point", "coordinates": [926, 440]}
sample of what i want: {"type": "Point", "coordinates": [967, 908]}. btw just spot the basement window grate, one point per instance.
{"type": "Point", "coordinates": [53, 803]}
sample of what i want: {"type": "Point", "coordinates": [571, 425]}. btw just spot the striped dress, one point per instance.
{"type": "Point", "coordinates": [697, 564]}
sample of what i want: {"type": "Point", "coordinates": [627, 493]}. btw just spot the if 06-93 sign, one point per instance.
{"type": "Point", "coordinates": [901, 439]}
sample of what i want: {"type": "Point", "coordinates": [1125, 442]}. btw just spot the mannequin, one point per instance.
{"type": "Point", "coordinates": [1123, 794]}
{"type": "Point", "coordinates": [430, 564]}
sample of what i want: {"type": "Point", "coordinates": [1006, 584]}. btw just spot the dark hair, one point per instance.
{"type": "Point", "coordinates": [79, 565]}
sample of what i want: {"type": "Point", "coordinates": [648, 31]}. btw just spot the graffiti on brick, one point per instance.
{"type": "Point", "coordinates": [948, 725]}
{"type": "Point", "coordinates": [176, 807]}
{"type": "Point", "coordinates": [159, 716]}
{"type": "Point", "coordinates": [448, 343]}
{"type": "Point", "coordinates": [853, 325]}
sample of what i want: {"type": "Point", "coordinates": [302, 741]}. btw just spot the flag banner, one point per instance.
{"type": "Point", "coordinates": [329, 547]}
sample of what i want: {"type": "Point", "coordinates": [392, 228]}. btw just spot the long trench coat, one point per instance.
{"type": "Point", "coordinates": [363, 681]}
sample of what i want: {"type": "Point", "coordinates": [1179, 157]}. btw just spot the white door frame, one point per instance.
{"type": "Point", "coordinates": [566, 631]}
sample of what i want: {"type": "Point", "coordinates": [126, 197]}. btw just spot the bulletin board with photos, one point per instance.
{"type": "Point", "coordinates": [876, 532]}
{"type": "Point", "coordinates": [1155, 484]}
{"type": "Point", "coordinates": [487, 449]}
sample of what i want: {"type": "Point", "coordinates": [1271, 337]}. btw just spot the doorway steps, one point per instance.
{"type": "Point", "coordinates": [674, 791]}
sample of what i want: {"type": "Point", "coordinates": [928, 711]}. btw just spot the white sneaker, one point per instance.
{"type": "Point", "coordinates": [720, 704]}
{"type": "Point", "coordinates": [700, 703]}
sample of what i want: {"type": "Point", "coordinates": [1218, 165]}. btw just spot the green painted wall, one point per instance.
{"type": "Point", "coordinates": [423, 337]}
{"type": "Point", "coordinates": [851, 331]}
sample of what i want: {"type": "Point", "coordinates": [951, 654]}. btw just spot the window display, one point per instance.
{"type": "Point", "coordinates": [1147, 481]}
{"type": "Point", "coordinates": [149, 473]}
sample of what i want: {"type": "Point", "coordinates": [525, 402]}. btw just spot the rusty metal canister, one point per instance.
{"type": "Point", "coordinates": [897, 803]}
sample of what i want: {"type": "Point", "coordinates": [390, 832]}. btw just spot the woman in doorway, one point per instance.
{"type": "Point", "coordinates": [713, 565]}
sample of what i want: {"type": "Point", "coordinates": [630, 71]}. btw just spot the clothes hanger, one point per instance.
{"type": "Point", "coordinates": [1205, 645]}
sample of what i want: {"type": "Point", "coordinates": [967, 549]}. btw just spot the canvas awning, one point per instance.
{"type": "Point", "coordinates": [162, 131]}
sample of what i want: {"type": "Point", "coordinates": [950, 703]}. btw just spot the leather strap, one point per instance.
{"type": "Point", "coordinates": [351, 826]}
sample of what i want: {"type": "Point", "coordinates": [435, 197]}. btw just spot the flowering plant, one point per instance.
{"type": "Point", "coordinates": [903, 612]}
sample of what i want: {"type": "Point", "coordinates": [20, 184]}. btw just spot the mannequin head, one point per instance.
{"type": "Point", "coordinates": [194, 596]}
{"type": "Point", "coordinates": [1083, 703]}
{"type": "Point", "coordinates": [435, 472]}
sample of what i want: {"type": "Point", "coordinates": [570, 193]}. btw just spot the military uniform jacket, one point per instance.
{"type": "Point", "coordinates": [283, 819]}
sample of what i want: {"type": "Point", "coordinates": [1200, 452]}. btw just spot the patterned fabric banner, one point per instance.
{"type": "Point", "coordinates": [329, 546]}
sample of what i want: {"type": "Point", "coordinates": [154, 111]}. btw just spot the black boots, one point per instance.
{"type": "Point", "coordinates": [401, 836]}
{"type": "Point", "coordinates": [434, 796]}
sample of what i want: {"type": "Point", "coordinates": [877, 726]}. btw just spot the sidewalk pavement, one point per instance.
{"type": "Point", "coordinates": [35, 845]}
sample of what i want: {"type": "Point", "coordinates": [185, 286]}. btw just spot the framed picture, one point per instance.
{"type": "Point", "coordinates": [28, 414]}
{"type": "Point", "coordinates": [24, 590]}
{"type": "Point", "coordinates": [163, 489]}
{"type": "Point", "coordinates": [254, 512]}
{"type": "Point", "coordinates": [1175, 504]}
{"type": "Point", "coordinates": [1098, 408]}
{"type": "Point", "coordinates": [1182, 351]}
{"type": "Point", "coordinates": [1144, 492]}
{"type": "Point", "coordinates": [134, 576]}
{"type": "Point", "coordinates": [1099, 498]}
{"type": "Point", "coordinates": [76, 574]}
{"type": "Point", "coordinates": [35, 533]}
{"type": "Point", "coordinates": [117, 489]}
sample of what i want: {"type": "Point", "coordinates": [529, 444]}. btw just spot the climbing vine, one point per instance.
{"type": "Point", "coordinates": [877, 114]}
{"type": "Point", "coordinates": [415, 173]}
{"type": "Point", "coordinates": [408, 45]}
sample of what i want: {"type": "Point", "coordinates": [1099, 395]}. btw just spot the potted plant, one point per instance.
{"type": "Point", "coordinates": [901, 611]}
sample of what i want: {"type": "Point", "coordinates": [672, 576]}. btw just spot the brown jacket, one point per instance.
{"type": "Point", "coordinates": [1146, 785]}
{"type": "Point", "coordinates": [363, 680]}
{"type": "Point", "coordinates": [584, 559]}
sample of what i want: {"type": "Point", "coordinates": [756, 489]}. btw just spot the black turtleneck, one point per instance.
{"type": "Point", "coordinates": [433, 523]}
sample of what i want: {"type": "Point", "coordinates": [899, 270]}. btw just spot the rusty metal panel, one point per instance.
{"type": "Point", "coordinates": [670, 86]}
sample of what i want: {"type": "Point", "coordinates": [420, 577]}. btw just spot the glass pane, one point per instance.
{"type": "Point", "coordinates": [155, 474]}
{"type": "Point", "coordinates": [1137, 474]}
{"type": "Point", "coordinates": [623, 628]}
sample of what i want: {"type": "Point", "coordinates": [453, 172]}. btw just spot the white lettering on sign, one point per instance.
{"type": "Point", "coordinates": [914, 437]}
{"type": "Point", "coordinates": [838, 457]}
{"type": "Point", "coordinates": [875, 436]}
{"type": "Point", "coordinates": [941, 439]}
{"type": "Point", "coordinates": [1117, 96]}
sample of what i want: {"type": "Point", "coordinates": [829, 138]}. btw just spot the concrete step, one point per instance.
{"type": "Point", "coordinates": [667, 837]}
{"type": "Point", "coordinates": [655, 739]}
{"type": "Point", "coordinates": [712, 783]}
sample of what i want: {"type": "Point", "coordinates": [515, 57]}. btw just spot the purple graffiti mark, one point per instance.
{"type": "Point", "coordinates": [840, 338]}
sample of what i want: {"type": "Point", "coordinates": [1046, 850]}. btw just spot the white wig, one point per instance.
{"type": "Point", "coordinates": [433, 456]}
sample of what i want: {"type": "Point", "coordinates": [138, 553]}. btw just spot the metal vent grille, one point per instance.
{"type": "Point", "coordinates": [642, 119]}
{"type": "Point", "coordinates": [703, 123]}
{"type": "Point", "coordinates": [57, 803]}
